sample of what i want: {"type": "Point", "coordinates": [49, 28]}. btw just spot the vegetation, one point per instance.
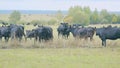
{"type": "Point", "coordinates": [52, 22]}
{"type": "Point", "coordinates": [59, 16]}
{"type": "Point", "coordinates": [76, 14]}
{"type": "Point", "coordinates": [15, 16]}
{"type": "Point", "coordinates": [85, 16]}
{"type": "Point", "coordinates": [60, 58]}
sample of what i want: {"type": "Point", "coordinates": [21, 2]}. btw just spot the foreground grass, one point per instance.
{"type": "Point", "coordinates": [60, 58]}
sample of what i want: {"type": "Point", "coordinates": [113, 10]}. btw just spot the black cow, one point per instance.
{"type": "Point", "coordinates": [43, 33]}
{"type": "Point", "coordinates": [30, 34]}
{"type": "Point", "coordinates": [17, 31]}
{"type": "Point", "coordinates": [64, 30]}
{"type": "Point", "coordinates": [77, 25]}
{"type": "Point", "coordinates": [83, 32]}
{"type": "Point", "coordinates": [91, 32]}
{"type": "Point", "coordinates": [109, 32]}
{"type": "Point", "coordinates": [5, 32]}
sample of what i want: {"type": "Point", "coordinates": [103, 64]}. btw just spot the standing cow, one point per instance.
{"type": "Point", "coordinates": [5, 32]}
{"type": "Point", "coordinates": [17, 31]}
{"type": "Point", "coordinates": [30, 33]}
{"type": "Point", "coordinates": [43, 33]}
{"type": "Point", "coordinates": [109, 32]}
{"type": "Point", "coordinates": [82, 32]}
{"type": "Point", "coordinates": [64, 30]}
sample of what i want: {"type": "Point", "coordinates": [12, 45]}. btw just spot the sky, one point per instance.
{"type": "Point", "coordinates": [110, 5]}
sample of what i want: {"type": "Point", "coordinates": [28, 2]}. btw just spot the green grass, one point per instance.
{"type": "Point", "coordinates": [60, 58]}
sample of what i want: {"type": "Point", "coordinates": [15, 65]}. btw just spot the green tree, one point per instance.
{"type": "Point", "coordinates": [94, 18]}
{"type": "Point", "coordinates": [15, 16]}
{"type": "Point", "coordinates": [105, 17]}
{"type": "Point", "coordinates": [87, 10]}
{"type": "Point", "coordinates": [52, 22]}
{"type": "Point", "coordinates": [78, 15]}
{"type": "Point", "coordinates": [81, 17]}
{"type": "Point", "coordinates": [74, 9]}
{"type": "Point", "coordinates": [118, 19]}
{"type": "Point", "coordinates": [114, 18]}
{"type": "Point", "coordinates": [68, 19]}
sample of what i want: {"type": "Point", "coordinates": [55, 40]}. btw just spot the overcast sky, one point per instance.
{"type": "Point", "coordinates": [110, 5]}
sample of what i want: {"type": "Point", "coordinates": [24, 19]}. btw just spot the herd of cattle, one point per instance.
{"type": "Point", "coordinates": [45, 33]}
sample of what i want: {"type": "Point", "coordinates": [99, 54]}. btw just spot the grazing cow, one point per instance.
{"type": "Point", "coordinates": [64, 30]}
{"type": "Point", "coordinates": [109, 32]}
{"type": "Point", "coordinates": [30, 33]}
{"type": "Point", "coordinates": [43, 33]}
{"type": "Point", "coordinates": [82, 32]}
{"type": "Point", "coordinates": [5, 32]}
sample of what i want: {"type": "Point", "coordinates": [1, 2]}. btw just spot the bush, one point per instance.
{"type": "Point", "coordinates": [15, 16]}
{"type": "Point", "coordinates": [52, 22]}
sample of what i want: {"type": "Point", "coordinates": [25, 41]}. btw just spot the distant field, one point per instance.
{"type": "Point", "coordinates": [29, 17]}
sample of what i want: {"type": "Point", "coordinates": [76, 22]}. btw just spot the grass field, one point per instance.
{"type": "Point", "coordinates": [29, 17]}
{"type": "Point", "coordinates": [59, 53]}
{"type": "Point", "coordinates": [60, 58]}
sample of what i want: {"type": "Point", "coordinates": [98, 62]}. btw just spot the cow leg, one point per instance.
{"type": "Point", "coordinates": [20, 38]}
{"type": "Point", "coordinates": [67, 36]}
{"type": "Point", "coordinates": [91, 38]}
{"type": "Point", "coordinates": [36, 38]}
{"type": "Point", "coordinates": [25, 36]}
{"type": "Point", "coordinates": [6, 39]}
{"type": "Point", "coordinates": [0, 38]}
{"type": "Point", "coordinates": [86, 38]}
{"type": "Point", "coordinates": [104, 43]}
{"type": "Point", "coordinates": [58, 34]}
{"type": "Point", "coordinates": [40, 39]}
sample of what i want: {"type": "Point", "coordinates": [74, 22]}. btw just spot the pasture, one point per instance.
{"type": "Point", "coordinates": [60, 58]}
{"type": "Point", "coordinates": [60, 53]}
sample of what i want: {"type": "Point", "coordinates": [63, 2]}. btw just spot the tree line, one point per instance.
{"type": "Point", "coordinates": [85, 16]}
{"type": "Point", "coordinates": [76, 14]}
